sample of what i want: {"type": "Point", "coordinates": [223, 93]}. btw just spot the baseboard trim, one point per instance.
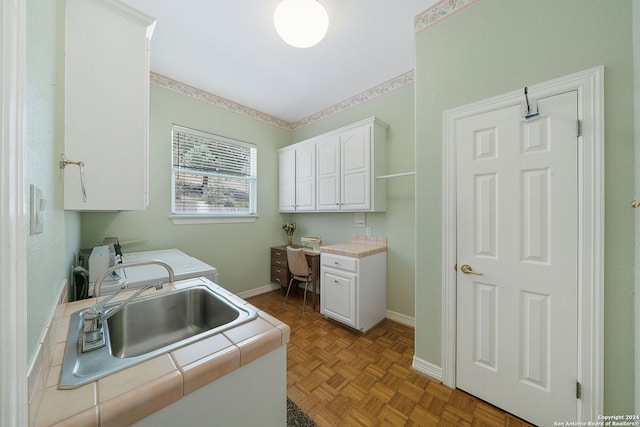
{"type": "Point", "coordinates": [401, 318]}
{"type": "Point", "coordinates": [427, 368]}
{"type": "Point", "coordinates": [258, 291]}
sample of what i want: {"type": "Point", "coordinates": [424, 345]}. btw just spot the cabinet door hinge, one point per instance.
{"type": "Point", "coordinates": [578, 390]}
{"type": "Point", "coordinates": [579, 128]}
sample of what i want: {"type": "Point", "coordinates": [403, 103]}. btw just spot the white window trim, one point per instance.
{"type": "Point", "coordinates": [211, 219]}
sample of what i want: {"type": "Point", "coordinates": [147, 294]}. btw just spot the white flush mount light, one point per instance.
{"type": "Point", "coordinates": [301, 23]}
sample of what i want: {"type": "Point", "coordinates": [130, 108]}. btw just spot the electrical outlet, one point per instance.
{"type": "Point", "coordinates": [367, 231]}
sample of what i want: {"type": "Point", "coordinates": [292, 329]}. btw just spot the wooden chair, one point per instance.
{"type": "Point", "coordinates": [300, 270]}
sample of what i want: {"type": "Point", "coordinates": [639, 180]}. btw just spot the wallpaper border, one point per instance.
{"type": "Point", "coordinates": [441, 10]}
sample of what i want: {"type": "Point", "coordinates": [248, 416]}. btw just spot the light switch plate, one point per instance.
{"type": "Point", "coordinates": [37, 209]}
{"type": "Point", "coordinates": [359, 218]}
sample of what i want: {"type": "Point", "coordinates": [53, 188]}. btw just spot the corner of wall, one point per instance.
{"type": "Point", "coordinates": [636, 96]}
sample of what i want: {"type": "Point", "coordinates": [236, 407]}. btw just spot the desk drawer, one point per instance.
{"type": "Point", "coordinates": [280, 276]}
{"type": "Point", "coordinates": [340, 262]}
{"type": "Point", "coordinates": [279, 258]}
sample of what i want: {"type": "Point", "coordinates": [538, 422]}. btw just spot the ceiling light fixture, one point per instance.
{"type": "Point", "coordinates": [301, 23]}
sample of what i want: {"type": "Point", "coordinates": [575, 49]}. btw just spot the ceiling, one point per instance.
{"type": "Point", "coordinates": [230, 48]}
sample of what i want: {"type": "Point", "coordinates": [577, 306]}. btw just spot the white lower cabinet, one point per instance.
{"type": "Point", "coordinates": [353, 291]}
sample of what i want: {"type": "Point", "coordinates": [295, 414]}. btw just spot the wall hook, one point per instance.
{"type": "Point", "coordinates": [530, 108]}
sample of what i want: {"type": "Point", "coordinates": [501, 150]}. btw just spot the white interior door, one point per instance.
{"type": "Point", "coordinates": [517, 254]}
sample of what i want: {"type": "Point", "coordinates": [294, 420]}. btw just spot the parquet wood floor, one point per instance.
{"type": "Point", "coordinates": [342, 378]}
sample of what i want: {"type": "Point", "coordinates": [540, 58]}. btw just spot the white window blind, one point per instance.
{"type": "Point", "coordinates": [212, 175]}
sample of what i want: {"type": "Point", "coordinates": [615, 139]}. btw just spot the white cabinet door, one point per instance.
{"type": "Point", "coordinates": [287, 173]}
{"type": "Point", "coordinates": [356, 169]}
{"type": "Point", "coordinates": [344, 171]}
{"type": "Point", "coordinates": [338, 301]}
{"type": "Point", "coordinates": [297, 178]}
{"type": "Point", "coordinates": [306, 177]}
{"type": "Point", "coordinates": [328, 171]}
{"type": "Point", "coordinates": [106, 105]}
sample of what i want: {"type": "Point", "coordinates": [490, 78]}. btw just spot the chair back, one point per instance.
{"type": "Point", "coordinates": [297, 261]}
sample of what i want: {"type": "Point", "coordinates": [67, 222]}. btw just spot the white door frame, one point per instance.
{"type": "Point", "coordinates": [13, 278]}
{"type": "Point", "coordinates": [590, 87]}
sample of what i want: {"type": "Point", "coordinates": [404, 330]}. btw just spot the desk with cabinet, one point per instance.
{"type": "Point", "coordinates": [281, 275]}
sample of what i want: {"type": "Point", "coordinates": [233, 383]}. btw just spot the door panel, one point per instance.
{"type": "Point", "coordinates": [287, 170]}
{"type": "Point", "coordinates": [356, 169]}
{"type": "Point", "coordinates": [328, 152]}
{"type": "Point", "coordinates": [485, 339]}
{"type": "Point", "coordinates": [306, 178]}
{"type": "Point", "coordinates": [517, 198]}
{"type": "Point", "coordinates": [339, 300]}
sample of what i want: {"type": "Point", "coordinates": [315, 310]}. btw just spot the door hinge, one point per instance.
{"type": "Point", "coordinates": [578, 390]}
{"type": "Point", "coordinates": [579, 128]}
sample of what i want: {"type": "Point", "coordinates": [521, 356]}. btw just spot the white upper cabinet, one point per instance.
{"type": "Point", "coordinates": [297, 178]}
{"type": "Point", "coordinates": [106, 105]}
{"type": "Point", "coordinates": [347, 161]}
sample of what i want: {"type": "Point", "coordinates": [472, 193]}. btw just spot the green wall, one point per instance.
{"type": "Point", "coordinates": [49, 254]}
{"type": "Point", "coordinates": [398, 222]}
{"type": "Point", "coordinates": [496, 46]}
{"type": "Point", "coordinates": [239, 251]}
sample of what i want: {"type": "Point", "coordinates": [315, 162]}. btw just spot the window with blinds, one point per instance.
{"type": "Point", "coordinates": [212, 175]}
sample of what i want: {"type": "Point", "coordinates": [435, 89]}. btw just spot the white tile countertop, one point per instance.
{"type": "Point", "coordinates": [357, 246]}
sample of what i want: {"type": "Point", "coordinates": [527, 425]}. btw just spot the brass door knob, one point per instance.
{"type": "Point", "coordinates": [466, 269]}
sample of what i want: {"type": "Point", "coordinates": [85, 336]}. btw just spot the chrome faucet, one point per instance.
{"type": "Point", "coordinates": [96, 315]}
{"type": "Point", "coordinates": [98, 286]}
